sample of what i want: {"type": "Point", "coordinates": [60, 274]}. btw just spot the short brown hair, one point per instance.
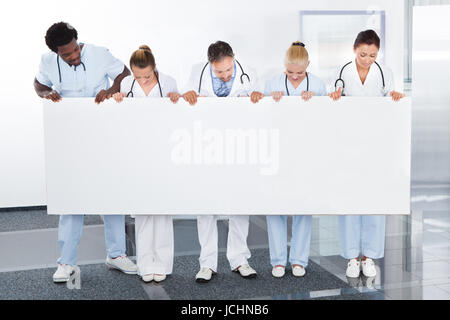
{"type": "Point", "coordinates": [219, 50]}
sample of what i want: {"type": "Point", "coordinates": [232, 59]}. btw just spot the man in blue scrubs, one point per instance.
{"type": "Point", "coordinates": [75, 69]}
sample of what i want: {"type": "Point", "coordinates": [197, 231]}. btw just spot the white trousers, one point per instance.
{"type": "Point", "coordinates": [237, 249]}
{"type": "Point", "coordinates": [154, 244]}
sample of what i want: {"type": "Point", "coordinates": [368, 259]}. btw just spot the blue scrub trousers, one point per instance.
{"type": "Point", "coordinates": [362, 234]}
{"type": "Point", "coordinates": [70, 230]}
{"type": "Point", "coordinates": [300, 241]}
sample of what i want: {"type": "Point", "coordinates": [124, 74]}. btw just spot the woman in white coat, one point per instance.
{"type": "Point", "coordinates": [154, 233]}
{"type": "Point", "coordinates": [295, 81]}
{"type": "Point", "coordinates": [364, 77]}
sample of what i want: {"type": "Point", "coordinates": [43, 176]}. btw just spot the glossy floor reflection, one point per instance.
{"type": "Point", "coordinates": [416, 263]}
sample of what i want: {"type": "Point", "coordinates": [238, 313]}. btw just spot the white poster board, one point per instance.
{"type": "Point", "coordinates": [228, 156]}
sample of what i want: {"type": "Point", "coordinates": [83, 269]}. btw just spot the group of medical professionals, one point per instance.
{"type": "Point", "coordinates": [74, 69]}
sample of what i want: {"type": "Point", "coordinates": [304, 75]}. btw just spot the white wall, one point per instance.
{"type": "Point", "coordinates": [178, 33]}
{"type": "Point", "coordinates": [431, 109]}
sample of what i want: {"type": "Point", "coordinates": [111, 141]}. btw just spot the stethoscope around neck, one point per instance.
{"type": "Point", "coordinates": [286, 83]}
{"type": "Point", "coordinates": [383, 89]}
{"type": "Point", "coordinates": [242, 75]}
{"type": "Point", "coordinates": [130, 93]}
{"type": "Point", "coordinates": [59, 68]}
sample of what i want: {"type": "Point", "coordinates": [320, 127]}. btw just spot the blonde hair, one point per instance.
{"type": "Point", "coordinates": [296, 54]}
{"type": "Point", "coordinates": [142, 58]}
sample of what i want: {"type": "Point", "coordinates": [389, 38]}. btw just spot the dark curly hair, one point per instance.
{"type": "Point", "coordinates": [219, 50]}
{"type": "Point", "coordinates": [60, 34]}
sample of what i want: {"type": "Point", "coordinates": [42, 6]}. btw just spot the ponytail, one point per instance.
{"type": "Point", "coordinates": [142, 58]}
{"type": "Point", "coordinates": [297, 54]}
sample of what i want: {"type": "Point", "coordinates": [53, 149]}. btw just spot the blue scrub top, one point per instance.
{"type": "Point", "coordinates": [277, 83]}
{"type": "Point", "coordinates": [100, 66]}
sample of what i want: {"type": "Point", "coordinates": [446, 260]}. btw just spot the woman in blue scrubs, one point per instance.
{"type": "Point", "coordinates": [295, 81]}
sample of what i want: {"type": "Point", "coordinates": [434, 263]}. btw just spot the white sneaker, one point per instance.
{"type": "Point", "coordinates": [159, 277]}
{"type": "Point", "coordinates": [246, 271]}
{"type": "Point", "coordinates": [298, 271]}
{"type": "Point", "coordinates": [63, 273]}
{"type": "Point", "coordinates": [204, 275]}
{"type": "Point", "coordinates": [368, 268]}
{"type": "Point", "coordinates": [122, 263]}
{"type": "Point", "coordinates": [278, 272]}
{"type": "Point", "coordinates": [147, 277]}
{"type": "Point", "coordinates": [353, 269]}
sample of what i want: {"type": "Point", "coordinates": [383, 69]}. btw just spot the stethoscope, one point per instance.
{"type": "Point", "coordinates": [130, 93]}
{"type": "Point", "coordinates": [383, 89]}
{"type": "Point", "coordinates": [59, 68]}
{"type": "Point", "coordinates": [242, 75]}
{"type": "Point", "coordinates": [286, 83]}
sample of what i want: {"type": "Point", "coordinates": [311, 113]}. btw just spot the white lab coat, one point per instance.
{"type": "Point", "coordinates": [154, 233]}
{"type": "Point", "coordinates": [168, 84]}
{"type": "Point", "coordinates": [237, 250]}
{"type": "Point", "coordinates": [372, 87]}
{"type": "Point", "coordinates": [364, 234]}
{"type": "Point", "coordinates": [238, 89]}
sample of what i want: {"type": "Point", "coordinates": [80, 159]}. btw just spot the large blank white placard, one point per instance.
{"type": "Point", "coordinates": [228, 156]}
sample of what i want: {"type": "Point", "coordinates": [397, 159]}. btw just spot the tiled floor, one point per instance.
{"type": "Point", "coordinates": [416, 263]}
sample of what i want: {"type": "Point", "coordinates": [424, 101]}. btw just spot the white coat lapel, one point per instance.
{"type": "Point", "coordinates": [207, 87]}
{"type": "Point", "coordinates": [201, 80]}
{"type": "Point", "coordinates": [236, 84]}
{"type": "Point", "coordinates": [238, 88]}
